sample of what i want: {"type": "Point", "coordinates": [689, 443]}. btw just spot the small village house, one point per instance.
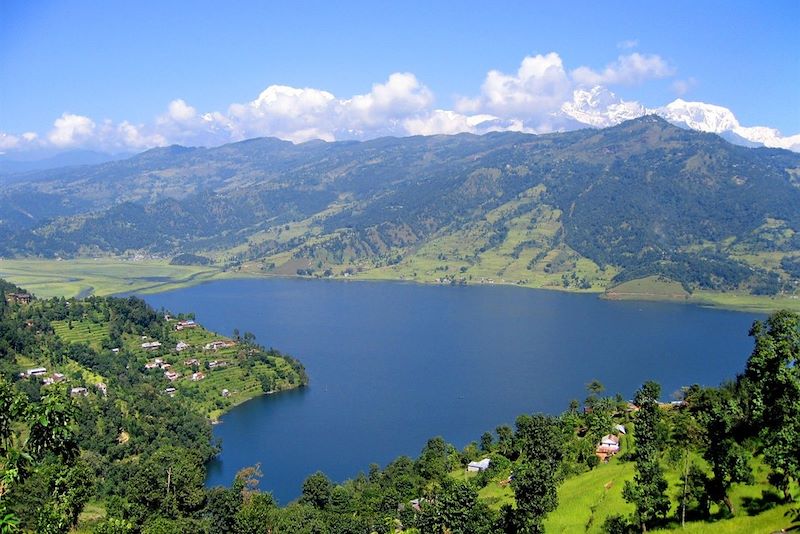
{"type": "Point", "coordinates": [36, 371]}
{"type": "Point", "coordinates": [608, 446]}
{"type": "Point", "coordinates": [171, 375]}
{"type": "Point", "coordinates": [482, 465]}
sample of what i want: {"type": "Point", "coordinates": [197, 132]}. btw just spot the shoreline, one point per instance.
{"type": "Point", "coordinates": [111, 276]}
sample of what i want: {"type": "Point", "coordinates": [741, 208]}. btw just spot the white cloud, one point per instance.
{"type": "Point", "coordinates": [400, 96]}
{"type": "Point", "coordinates": [538, 89]}
{"type": "Point", "coordinates": [8, 141]}
{"type": "Point", "coordinates": [71, 130]}
{"type": "Point", "coordinates": [441, 121]}
{"type": "Point", "coordinates": [626, 70]}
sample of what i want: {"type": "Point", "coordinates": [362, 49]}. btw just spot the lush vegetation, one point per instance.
{"type": "Point", "coordinates": [583, 210]}
{"type": "Point", "coordinates": [130, 456]}
{"type": "Point", "coordinates": [89, 412]}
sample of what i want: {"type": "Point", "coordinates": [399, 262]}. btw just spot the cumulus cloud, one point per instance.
{"type": "Point", "coordinates": [626, 70]}
{"type": "Point", "coordinates": [441, 121]}
{"type": "Point", "coordinates": [71, 130]}
{"type": "Point", "coordinates": [537, 89]}
{"type": "Point", "coordinates": [542, 95]}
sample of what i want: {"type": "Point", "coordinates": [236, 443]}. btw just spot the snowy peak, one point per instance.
{"type": "Point", "coordinates": [699, 116]}
{"type": "Point", "coordinates": [717, 119]}
{"type": "Point", "coordinates": [600, 108]}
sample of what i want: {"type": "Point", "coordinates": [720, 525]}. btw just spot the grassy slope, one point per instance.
{"type": "Point", "coordinates": [588, 499]}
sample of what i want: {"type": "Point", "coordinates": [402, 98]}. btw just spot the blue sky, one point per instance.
{"type": "Point", "coordinates": [124, 63]}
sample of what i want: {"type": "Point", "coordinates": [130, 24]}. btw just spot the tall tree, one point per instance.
{"type": "Point", "coordinates": [648, 490]}
{"type": "Point", "coordinates": [541, 442]}
{"type": "Point", "coordinates": [772, 380]}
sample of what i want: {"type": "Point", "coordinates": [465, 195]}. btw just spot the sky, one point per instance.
{"type": "Point", "coordinates": [125, 76]}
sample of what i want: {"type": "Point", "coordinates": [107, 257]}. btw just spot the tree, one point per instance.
{"type": "Point", "coordinates": [594, 388]}
{"type": "Point", "coordinates": [487, 441]}
{"type": "Point", "coordinates": [535, 486]}
{"type": "Point", "coordinates": [540, 440]}
{"type": "Point", "coordinates": [648, 490]}
{"type": "Point", "coordinates": [317, 491]}
{"type": "Point", "coordinates": [505, 441]}
{"type": "Point", "coordinates": [728, 459]}
{"type": "Point", "coordinates": [454, 509]}
{"type": "Point", "coordinates": [434, 461]}
{"type": "Point", "coordinates": [772, 382]}
{"type": "Point", "coordinates": [169, 481]}
{"type": "Point", "coordinates": [50, 426]}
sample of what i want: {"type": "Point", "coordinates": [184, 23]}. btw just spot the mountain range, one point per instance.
{"type": "Point", "coordinates": [588, 208]}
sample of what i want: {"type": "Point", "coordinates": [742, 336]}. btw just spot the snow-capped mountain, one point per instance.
{"type": "Point", "coordinates": [599, 107]}
{"type": "Point", "coordinates": [717, 119]}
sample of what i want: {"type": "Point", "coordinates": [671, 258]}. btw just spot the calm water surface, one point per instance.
{"type": "Point", "coordinates": [392, 364]}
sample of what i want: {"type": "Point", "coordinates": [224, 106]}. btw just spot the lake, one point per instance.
{"type": "Point", "coordinates": [393, 364]}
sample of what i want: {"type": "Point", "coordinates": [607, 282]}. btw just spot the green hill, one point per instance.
{"type": "Point", "coordinates": [584, 210]}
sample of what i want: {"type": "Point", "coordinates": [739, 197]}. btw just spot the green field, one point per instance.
{"type": "Point", "coordinates": [71, 278]}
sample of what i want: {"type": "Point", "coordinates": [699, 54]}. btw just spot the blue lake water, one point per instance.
{"type": "Point", "coordinates": [394, 364]}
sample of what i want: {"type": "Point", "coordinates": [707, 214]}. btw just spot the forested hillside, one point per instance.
{"type": "Point", "coordinates": [103, 440]}
{"type": "Point", "coordinates": [100, 397]}
{"type": "Point", "coordinates": [583, 209]}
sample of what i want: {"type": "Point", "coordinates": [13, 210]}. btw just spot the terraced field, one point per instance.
{"type": "Point", "coordinates": [85, 331]}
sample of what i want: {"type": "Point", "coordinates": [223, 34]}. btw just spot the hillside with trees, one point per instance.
{"type": "Point", "coordinates": [588, 209]}
{"type": "Point", "coordinates": [104, 440]}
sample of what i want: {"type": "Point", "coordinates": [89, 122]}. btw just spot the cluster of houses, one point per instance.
{"type": "Point", "coordinates": [19, 298]}
{"type": "Point", "coordinates": [57, 378]}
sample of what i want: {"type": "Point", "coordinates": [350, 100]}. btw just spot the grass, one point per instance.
{"type": "Point", "coordinates": [85, 331]}
{"type": "Point", "coordinates": [105, 276]}
{"type": "Point", "coordinates": [585, 501]}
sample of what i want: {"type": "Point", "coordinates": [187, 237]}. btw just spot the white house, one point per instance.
{"type": "Point", "coordinates": [483, 465]}
{"type": "Point", "coordinates": [74, 392]}
{"type": "Point", "coordinates": [610, 442]}
{"type": "Point", "coordinates": [620, 429]}
{"type": "Point", "coordinates": [182, 345]}
{"type": "Point", "coordinates": [36, 371]}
